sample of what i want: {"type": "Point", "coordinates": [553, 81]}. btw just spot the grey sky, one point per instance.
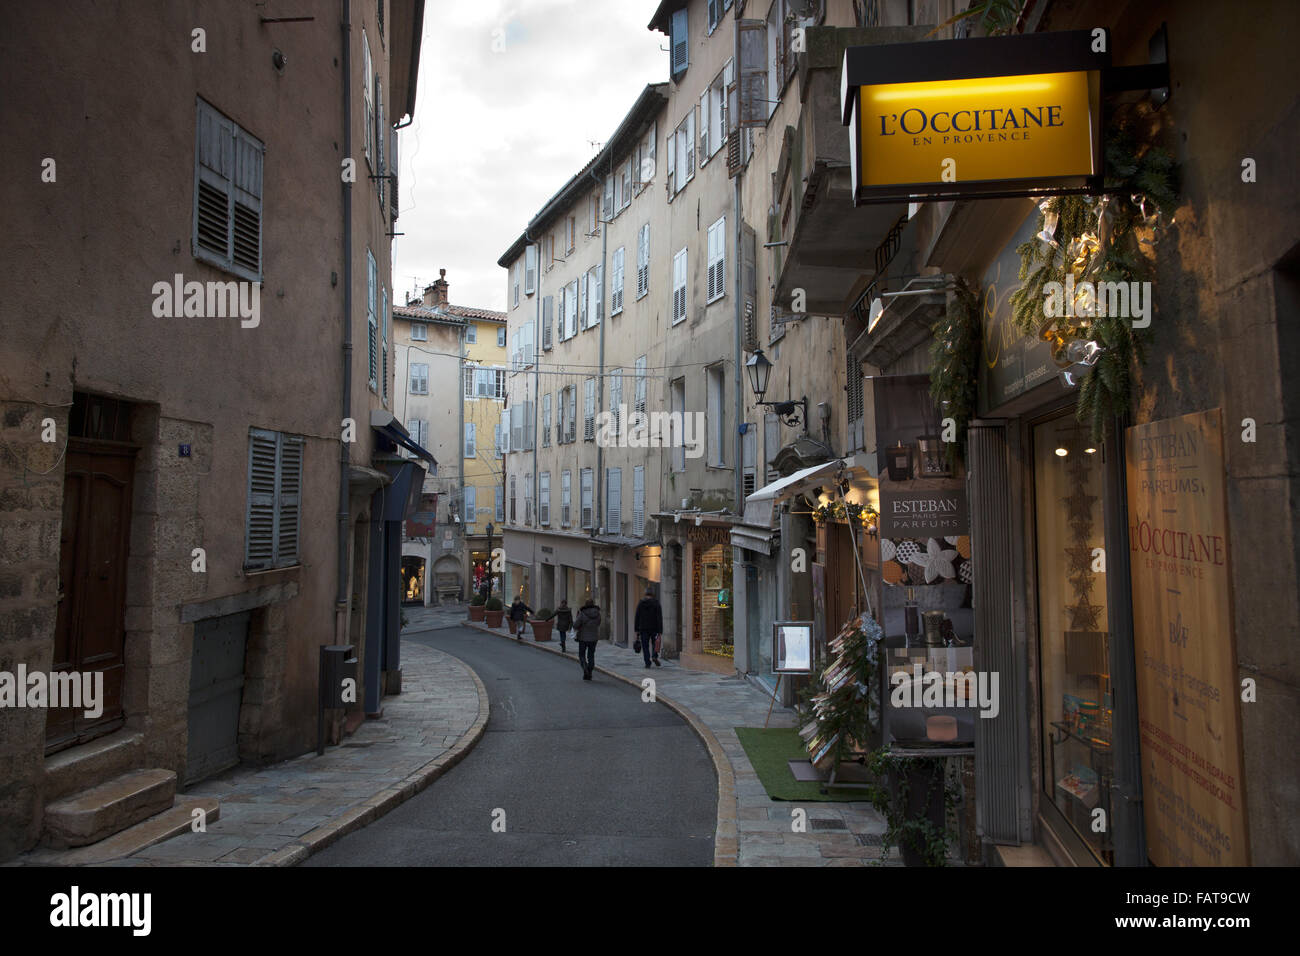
{"type": "Point", "coordinates": [499, 130]}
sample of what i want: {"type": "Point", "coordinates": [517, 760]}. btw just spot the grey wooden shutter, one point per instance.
{"type": "Point", "coordinates": [379, 136]}
{"type": "Point", "coordinates": [614, 500]}
{"type": "Point", "coordinates": [259, 528]}
{"type": "Point", "coordinates": [289, 493]}
{"type": "Point", "coordinates": [392, 159]}
{"type": "Point", "coordinates": [638, 501]}
{"type": "Point", "coordinates": [752, 78]}
{"type": "Point", "coordinates": [548, 319]}
{"type": "Point", "coordinates": [680, 43]}
{"type": "Point", "coordinates": [749, 284]}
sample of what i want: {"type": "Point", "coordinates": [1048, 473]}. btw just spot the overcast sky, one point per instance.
{"type": "Point", "coordinates": [510, 94]}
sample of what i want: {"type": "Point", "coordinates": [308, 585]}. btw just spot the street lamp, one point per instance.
{"type": "Point", "coordinates": [760, 372]}
{"type": "Point", "coordinates": [490, 529]}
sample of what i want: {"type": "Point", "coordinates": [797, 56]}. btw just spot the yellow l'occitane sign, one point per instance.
{"type": "Point", "coordinates": [991, 128]}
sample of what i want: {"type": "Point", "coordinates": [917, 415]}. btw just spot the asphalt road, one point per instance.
{"type": "Point", "coordinates": [587, 774]}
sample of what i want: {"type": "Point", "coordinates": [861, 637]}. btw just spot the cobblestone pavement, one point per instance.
{"type": "Point", "coordinates": [753, 829]}
{"type": "Point", "coordinates": [279, 814]}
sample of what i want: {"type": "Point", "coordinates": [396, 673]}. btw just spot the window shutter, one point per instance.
{"type": "Point", "coordinates": [228, 195]}
{"type": "Point", "coordinates": [544, 495]}
{"type": "Point", "coordinates": [613, 501]}
{"type": "Point", "coordinates": [383, 317]}
{"type": "Point", "coordinates": [749, 444]}
{"type": "Point", "coordinates": [500, 503]}
{"type": "Point", "coordinates": [530, 269]}
{"type": "Point", "coordinates": [607, 198]}
{"type": "Point", "coordinates": [690, 144]}
{"type": "Point", "coordinates": [470, 450]}
{"type": "Point", "coordinates": [471, 505]}
{"type": "Point", "coordinates": [573, 414]}
{"type": "Point", "coordinates": [372, 280]}
{"type": "Point", "coordinates": [681, 43]}
{"type": "Point", "coordinates": [640, 383]}
{"type": "Point", "coordinates": [643, 261]}
{"type": "Point", "coordinates": [749, 284]}
{"type": "Point", "coordinates": [289, 492]}
{"type": "Point", "coordinates": [380, 137]}
{"type": "Point", "coordinates": [587, 518]}
{"type": "Point", "coordinates": [671, 146]}
{"type": "Point", "coordinates": [573, 308]}
{"type": "Point", "coordinates": [566, 497]}
{"type": "Point", "coordinates": [584, 302]}
{"type": "Point", "coordinates": [616, 287]}
{"type": "Point", "coordinates": [392, 188]}
{"type": "Point", "coordinates": [704, 125]}
{"type": "Point", "coordinates": [506, 446]}
{"type": "Point", "coordinates": [598, 290]}
{"type": "Point", "coordinates": [548, 318]}
{"type": "Point", "coordinates": [638, 501]}
{"type": "Point", "coordinates": [753, 73]}
{"type": "Point", "coordinates": [259, 537]}
{"type": "Point", "coordinates": [367, 72]}
{"type": "Point", "coordinates": [589, 411]}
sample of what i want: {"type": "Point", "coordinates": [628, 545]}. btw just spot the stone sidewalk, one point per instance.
{"type": "Point", "coordinates": [280, 814]}
{"type": "Point", "coordinates": [753, 829]}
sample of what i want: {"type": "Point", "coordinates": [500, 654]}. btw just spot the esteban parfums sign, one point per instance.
{"type": "Point", "coordinates": [937, 513]}
{"type": "Point", "coordinates": [1186, 665]}
{"type": "Point", "coordinates": [989, 116]}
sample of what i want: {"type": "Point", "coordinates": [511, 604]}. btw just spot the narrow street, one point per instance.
{"type": "Point", "coordinates": [586, 773]}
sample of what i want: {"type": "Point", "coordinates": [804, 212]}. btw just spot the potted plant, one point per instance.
{"type": "Point", "coordinates": [542, 624]}
{"type": "Point", "coordinates": [915, 807]}
{"type": "Point", "coordinates": [476, 608]}
{"type": "Point", "coordinates": [495, 610]}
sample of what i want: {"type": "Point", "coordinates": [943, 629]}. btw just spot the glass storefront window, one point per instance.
{"type": "Point", "coordinates": [1076, 717]}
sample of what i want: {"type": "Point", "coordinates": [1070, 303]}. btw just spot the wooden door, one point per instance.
{"type": "Point", "coordinates": [90, 628]}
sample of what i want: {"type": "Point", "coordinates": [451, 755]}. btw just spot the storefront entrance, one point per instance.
{"type": "Point", "coordinates": [412, 580]}
{"type": "Point", "coordinates": [1075, 715]}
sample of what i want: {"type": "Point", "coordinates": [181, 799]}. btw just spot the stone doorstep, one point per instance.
{"type": "Point", "coordinates": [67, 771]}
{"type": "Point", "coordinates": [95, 814]}
{"type": "Point", "coordinates": [170, 823]}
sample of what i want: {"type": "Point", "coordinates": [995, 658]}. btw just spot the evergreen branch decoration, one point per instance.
{"type": "Point", "coordinates": [954, 358]}
{"type": "Point", "coordinates": [1098, 239]}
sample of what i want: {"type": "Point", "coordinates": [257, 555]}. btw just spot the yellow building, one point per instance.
{"type": "Point", "coordinates": [483, 398]}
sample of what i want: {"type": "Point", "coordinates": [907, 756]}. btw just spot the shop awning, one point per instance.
{"type": "Point", "coordinates": [388, 426]}
{"type": "Point", "coordinates": [751, 538]}
{"type": "Point", "coordinates": [402, 497]}
{"type": "Point", "coordinates": [760, 507]}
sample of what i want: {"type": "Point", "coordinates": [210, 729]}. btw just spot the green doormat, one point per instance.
{"type": "Point", "coordinates": [770, 752]}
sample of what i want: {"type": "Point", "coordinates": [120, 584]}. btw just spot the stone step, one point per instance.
{"type": "Point", "coordinates": [95, 814]}
{"type": "Point", "coordinates": [179, 819]}
{"type": "Point", "coordinates": [71, 770]}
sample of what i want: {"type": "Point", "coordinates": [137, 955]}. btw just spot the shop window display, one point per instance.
{"type": "Point", "coordinates": [1074, 666]}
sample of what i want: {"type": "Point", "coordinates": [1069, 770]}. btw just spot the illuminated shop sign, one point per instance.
{"type": "Point", "coordinates": [998, 116]}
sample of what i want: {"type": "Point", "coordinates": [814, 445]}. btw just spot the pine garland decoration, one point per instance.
{"type": "Point", "coordinates": [954, 363]}
{"type": "Point", "coordinates": [1099, 239]}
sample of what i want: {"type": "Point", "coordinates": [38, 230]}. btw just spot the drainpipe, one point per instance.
{"type": "Point", "coordinates": [738, 236]}
{"type": "Point", "coordinates": [598, 512]}
{"type": "Point", "coordinates": [537, 396]}
{"type": "Point", "coordinates": [341, 593]}
{"type": "Point", "coordinates": [460, 469]}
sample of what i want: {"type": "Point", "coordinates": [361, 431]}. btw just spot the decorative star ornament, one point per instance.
{"type": "Point", "coordinates": [1083, 616]}
{"type": "Point", "coordinates": [937, 562]}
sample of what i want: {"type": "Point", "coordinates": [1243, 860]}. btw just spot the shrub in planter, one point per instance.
{"type": "Point", "coordinates": [476, 608]}
{"type": "Point", "coordinates": [915, 807]}
{"type": "Point", "coordinates": [542, 624]}
{"type": "Point", "coordinates": [495, 611]}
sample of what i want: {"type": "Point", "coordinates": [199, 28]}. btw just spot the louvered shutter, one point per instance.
{"type": "Point", "coordinates": [704, 126]}
{"type": "Point", "coordinates": [671, 147]}
{"type": "Point", "coordinates": [530, 269]}
{"type": "Point", "coordinates": [690, 143]}
{"type": "Point", "coordinates": [392, 188]}
{"type": "Point", "coordinates": [506, 446]}
{"type": "Point", "coordinates": [259, 537]}
{"type": "Point", "coordinates": [613, 500]}
{"type": "Point", "coordinates": [643, 261]}
{"type": "Point", "coordinates": [616, 287]}
{"type": "Point", "coordinates": [383, 318]}
{"type": "Point", "coordinates": [753, 73]}
{"type": "Point", "coordinates": [471, 505]}
{"type": "Point", "coordinates": [638, 501]}
{"type": "Point", "coordinates": [573, 413]}
{"type": "Point", "coordinates": [589, 411]}
{"type": "Point", "coordinates": [548, 318]}
{"type": "Point", "coordinates": [607, 198]}
{"type": "Point", "coordinates": [228, 194]}
{"type": "Point", "coordinates": [289, 517]}
{"type": "Point", "coordinates": [680, 42]}
{"type": "Point", "coordinates": [380, 137]}
{"type": "Point", "coordinates": [598, 292]}
{"type": "Point", "coordinates": [517, 427]}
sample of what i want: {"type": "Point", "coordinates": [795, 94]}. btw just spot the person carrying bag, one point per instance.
{"type": "Point", "coordinates": [649, 625]}
{"type": "Point", "coordinates": [588, 634]}
{"type": "Point", "coordinates": [563, 622]}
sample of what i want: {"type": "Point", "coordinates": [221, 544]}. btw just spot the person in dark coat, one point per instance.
{"type": "Point", "coordinates": [519, 612]}
{"type": "Point", "coordinates": [563, 622]}
{"type": "Point", "coordinates": [588, 634]}
{"type": "Point", "coordinates": [649, 624]}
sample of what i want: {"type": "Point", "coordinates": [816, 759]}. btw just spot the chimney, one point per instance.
{"type": "Point", "coordinates": [435, 294]}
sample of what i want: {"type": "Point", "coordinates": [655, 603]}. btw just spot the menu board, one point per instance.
{"type": "Point", "coordinates": [1183, 644]}
{"type": "Point", "coordinates": [792, 647]}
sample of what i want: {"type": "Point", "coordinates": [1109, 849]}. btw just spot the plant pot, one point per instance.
{"type": "Point", "coordinates": [494, 618]}
{"type": "Point", "coordinates": [476, 612]}
{"type": "Point", "coordinates": [925, 782]}
{"type": "Point", "coordinates": [542, 630]}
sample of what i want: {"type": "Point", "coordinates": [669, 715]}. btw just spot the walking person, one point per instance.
{"type": "Point", "coordinates": [649, 624]}
{"type": "Point", "coordinates": [519, 612]}
{"type": "Point", "coordinates": [563, 622]}
{"type": "Point", "coordinates": [588, 634]}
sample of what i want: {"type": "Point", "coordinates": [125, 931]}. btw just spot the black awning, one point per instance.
{"type": "Point", "coordinates": [388, 426]}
